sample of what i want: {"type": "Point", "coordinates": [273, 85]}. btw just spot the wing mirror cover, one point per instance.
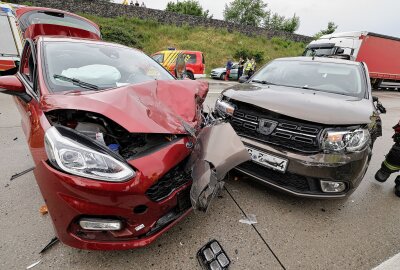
{"type": "Point", "coordinates": [11, 85]}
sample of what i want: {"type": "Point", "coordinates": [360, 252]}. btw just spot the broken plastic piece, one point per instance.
{"type": "Point", "coordinates": [213, 257]}
{"type": "Point", "coordinates": [249, 219]}
{"type": "Point", "coordinates": [21, 173]}
{"type": "Point", "coordinates": [43, 210]}
{"type": "Point", "coordinates": [218, 149]}
{"type": "Point", "coordinates": [49, 245]}
{"type": "Point", "coordinates": [33, 264]}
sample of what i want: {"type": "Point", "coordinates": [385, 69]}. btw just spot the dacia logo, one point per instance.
{"type": "Point", "coordinates": [267, 126]}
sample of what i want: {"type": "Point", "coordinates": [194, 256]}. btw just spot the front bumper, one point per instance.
{"type": "Point", "coordinates": [144, 216]}
{"type": "Point", "coordinates": [304, 172]}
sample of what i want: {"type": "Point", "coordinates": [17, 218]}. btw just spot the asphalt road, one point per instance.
{"type": "Point", "coordinates": [359, 232]}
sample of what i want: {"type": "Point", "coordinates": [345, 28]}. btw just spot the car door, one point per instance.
{"type": "Point", "coordinates": [234, 72]}
{"type": "Point", "coordinates": [30, 111]}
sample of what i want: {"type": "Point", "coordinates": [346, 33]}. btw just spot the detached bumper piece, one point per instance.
{"type": "Point", "coordinates": [213, 257]}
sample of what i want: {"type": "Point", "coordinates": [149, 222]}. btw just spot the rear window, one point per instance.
{"type": "Point", "coordinates": [338, 78]}
{"type": "Point", "coordinates": [7, 41]}
{"type": "Point", "coordinates": [56, 18]}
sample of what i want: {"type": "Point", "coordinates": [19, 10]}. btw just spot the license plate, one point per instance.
{"type": "Point", "coordinates": [268, 160]}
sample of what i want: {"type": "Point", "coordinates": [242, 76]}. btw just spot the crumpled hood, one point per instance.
{"type": "Point", "coordinates": [309, 105]}
{"type": "Point", "coordinates": [150, 107]}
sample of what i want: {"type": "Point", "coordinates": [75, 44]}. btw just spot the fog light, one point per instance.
{"type": "Point", "coordinates": [330, 186]}
{"type": "Point", "coordinates": [97, 224]}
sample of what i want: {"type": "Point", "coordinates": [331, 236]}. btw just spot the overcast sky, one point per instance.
{"type": "Point", "coordinates": [380, 16]}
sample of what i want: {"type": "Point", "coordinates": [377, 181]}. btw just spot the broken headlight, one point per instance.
{"type": "Point", "coordinates": [223, 107]}
{"type": "Point", "coordinates": [78, 159]}
{"type": "Point", "coordinates": [345, 140]}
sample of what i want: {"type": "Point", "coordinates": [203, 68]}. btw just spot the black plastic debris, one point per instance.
{"type": "Point", "coordinates": [21, 173]}
{"type": "Point", "coordinates": [16, 138]}
{"type": "Point", "coordinates": [49, 245]}
{"type": "Point", "coordinates": [213, 257]}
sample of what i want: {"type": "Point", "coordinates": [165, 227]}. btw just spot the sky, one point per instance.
{"type": "Point", "coordinates": [380, 16]}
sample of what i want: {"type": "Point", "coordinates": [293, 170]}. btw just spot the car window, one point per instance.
{"type": "Point", "coordinates": [102, 65]}
{"type": "Point", "coordinates": [159, 58]}
{"type": "Point", "coordinates": [57, 18]}
{"type": "Point", "coordinates": [27, 65]}
{"type": "Point", "coordinates": [191, 58]}
{"type": "Point", "coordinates": [340, 78]}
{"type": "Point", "coordinates": [7, 41]}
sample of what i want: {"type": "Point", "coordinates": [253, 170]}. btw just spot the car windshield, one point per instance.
{"type": "Point", "coordinates": [49, 17]}
{"type": "Point", "coordinates": [79, 66]}
{"type": "Point", "coordinates": [318, 51]}
{"type": "Point", "coordinates": [339, 78]}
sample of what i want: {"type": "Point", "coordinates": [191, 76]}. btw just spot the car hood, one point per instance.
{"type": "Point", "coordinates": [218, 70]}
{"type": "Point", "coordinates": [150, 107]}
{"type": "Point", "coordinates": [309, 105]}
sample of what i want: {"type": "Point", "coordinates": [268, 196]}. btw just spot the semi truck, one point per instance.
{"type": "Point", "coordinates": [381, 53]}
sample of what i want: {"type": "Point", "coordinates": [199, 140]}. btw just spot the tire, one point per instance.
{"type": "Point", "coordinates": [222, 77]}
{"type": "Point", "coordinates": [190, 75]}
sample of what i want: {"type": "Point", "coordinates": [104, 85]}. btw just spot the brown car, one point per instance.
{"type": "Point", "coordinates": [309, 124]}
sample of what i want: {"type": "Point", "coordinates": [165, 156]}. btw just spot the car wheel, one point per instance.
{"type": "Point", "coordinates": [190, 75]}
{"type": "Point", "coordinates": [222, 77]}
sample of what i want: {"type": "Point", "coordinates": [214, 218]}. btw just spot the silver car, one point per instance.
{"type": "Point", "coordinates": [219, 73]}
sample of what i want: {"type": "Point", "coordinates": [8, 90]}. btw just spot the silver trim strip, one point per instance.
{"type": "Point", "coordinates": [297, 133]}
{"type": "Point", "coordinates": [244, 120]}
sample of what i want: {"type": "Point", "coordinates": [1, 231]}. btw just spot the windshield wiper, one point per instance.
{"type": "Point", "coordinates": [263, 82]}
{"type": "Point", "coordinates": [76, 82]}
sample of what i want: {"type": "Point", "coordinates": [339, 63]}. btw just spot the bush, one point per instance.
{"type": "Point", "coordinates": [124, 36]}
{"type": "Point", "coordinates": [246, 53]}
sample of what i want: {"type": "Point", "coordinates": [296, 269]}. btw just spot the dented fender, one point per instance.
{"type": "Point", "coordinates": [218, 149]}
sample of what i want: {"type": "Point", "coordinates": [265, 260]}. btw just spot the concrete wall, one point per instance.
{"type": "Point", "coordinates": [106, 9]}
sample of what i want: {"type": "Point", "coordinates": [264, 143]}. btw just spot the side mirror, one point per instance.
{"type": "Point", "coordinates": [243, 79]}
{"type": "Point", "coordinates": [11, 85]}
{"type": "Point", "coordinates": [340, 51]}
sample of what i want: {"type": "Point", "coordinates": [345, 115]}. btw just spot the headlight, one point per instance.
{"type": "Point", "coordinates": [223, 107]}
{"type": "Point", "coordinates": [350, 141]}
{"type": "Point", "coordinates": [75, 158]}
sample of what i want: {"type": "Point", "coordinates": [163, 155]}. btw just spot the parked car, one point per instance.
{"type": "Point", "coordinates": [20, 22]}
{"type": "Point", "coordinates": [219, 73]}
{"type": "Point", "coordinates": [380, 52]}
{"type": "Point", "coordinates": [120, 147]}
{"type": "Point", "coordinates": [195, 62]}
{"type": "Point", "coordinates": [308, 123]}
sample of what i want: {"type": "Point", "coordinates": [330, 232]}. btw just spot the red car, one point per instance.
{"type": "Point", "coordinates": [121, 149]}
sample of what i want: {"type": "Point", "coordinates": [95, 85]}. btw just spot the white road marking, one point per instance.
{"type": "Point", "coordinates": [391, 264]}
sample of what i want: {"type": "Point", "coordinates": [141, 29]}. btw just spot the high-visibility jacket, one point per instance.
{"type": "Point", "coordinates": [248, 66]}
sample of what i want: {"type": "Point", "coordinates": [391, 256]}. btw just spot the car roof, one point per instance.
{"type": "Point", "coordinates": [185, 51]}
{"type": "Point", "coordinates": [319, 60]}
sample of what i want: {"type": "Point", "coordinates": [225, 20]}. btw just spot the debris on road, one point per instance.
{"type": "Point", "coordinates": [49, 245]}
{"type": "Point", "coordinates": [250, 219]}
{"type": "Point", "coordinates": [33, 264]}
{"type": "Point", "coordinates": [43, 210]}
{"type": "Point", "coordinates": [16, 138]}
{"type": "Point", "coordinates": [21, 173]}
{"type": "Point", "coordinates": [212, 256]}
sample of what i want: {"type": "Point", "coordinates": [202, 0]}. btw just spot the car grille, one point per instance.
{"type": "Point", "coordinates": [287, 180]}
{"type": "Point", "coordinates": [266, 126]}
{"type": "Point", "coordinates": [170, 182]}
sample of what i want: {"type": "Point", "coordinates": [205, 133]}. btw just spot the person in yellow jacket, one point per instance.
{"type": "Point", "coordinates": [248, 67]}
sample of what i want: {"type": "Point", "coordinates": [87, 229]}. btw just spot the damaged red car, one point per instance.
{"type": "Point", "coordinates": [121, 148]}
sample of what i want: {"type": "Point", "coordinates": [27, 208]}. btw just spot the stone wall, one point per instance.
{"type": "Point", "coordinates": [106, 9]}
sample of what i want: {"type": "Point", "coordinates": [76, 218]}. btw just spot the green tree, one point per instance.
{"type": "Point", "coordinates": [251, 12]}
{"type": "Point", "coordinates": [274, 21]}
{"type": "Point", "coordinates": [189, 7]}
{"type": "Point", "coordinates": [329, 30]}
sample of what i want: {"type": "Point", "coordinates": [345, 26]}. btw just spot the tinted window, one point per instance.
{"type": "Point", "coordinates": [319, 51]}
{"type": "Point", "coordinates": [159, 58]}
{"type": "Point", "coordinates": [340, 78]}
{"type": "Point", "coordinates": [191, 58]}
{"type": "Point", "coordinates": [104, 65]}
{"type": "Point", "coordinates": [45, 17]}
{"type": "Point", "coordinates": [7, 42]}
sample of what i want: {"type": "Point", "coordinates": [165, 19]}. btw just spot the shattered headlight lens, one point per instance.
{"type": "Point", "coordinates": [75, 158]}
{"type": "Point", "coordinates": [345, 140]}
{"type": "Point", "coordinates": [224, 108]}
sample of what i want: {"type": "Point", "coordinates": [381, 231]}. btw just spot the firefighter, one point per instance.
{"type": "Point", "coordinates": [392, 161]}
